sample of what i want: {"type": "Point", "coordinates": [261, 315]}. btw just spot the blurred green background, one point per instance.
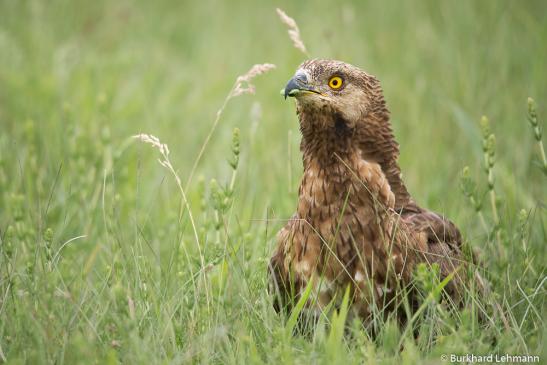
{"type": "Point", "coordinates": [79, 78]}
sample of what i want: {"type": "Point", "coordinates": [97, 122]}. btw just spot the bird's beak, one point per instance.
{"type": "Point", "coordinates": [297, 85]}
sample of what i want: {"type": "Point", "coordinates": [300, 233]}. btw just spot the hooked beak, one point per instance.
{"type": "Point", "coordinates": [297, 85]}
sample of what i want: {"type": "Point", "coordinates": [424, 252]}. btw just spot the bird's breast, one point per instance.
{"type": "Point", "coordinates": [340, 232]}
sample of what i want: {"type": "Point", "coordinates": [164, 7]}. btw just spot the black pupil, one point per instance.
{"type": "Point", "coordinates": [334, 82]}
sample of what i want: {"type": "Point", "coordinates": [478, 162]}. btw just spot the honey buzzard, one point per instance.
{"type": "Point", "coordinates": [355, 224]}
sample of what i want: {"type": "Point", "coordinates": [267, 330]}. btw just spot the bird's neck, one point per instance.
{"type": "Point", "coordinates": [324, 146]}
{"type": "Point", "coordinates": [334, 146]}
{"type": "Point", "coordinates": [335, 173]}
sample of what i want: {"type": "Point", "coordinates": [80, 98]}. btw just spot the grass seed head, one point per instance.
{"type": "Point", "coordinates": [154, 141]}
{"type": "Point", "coordinates": [294, 32]}
{"type": "Point", "coordinates": [243, 83]}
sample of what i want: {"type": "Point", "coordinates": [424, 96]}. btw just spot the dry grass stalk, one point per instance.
{"type": "Point", "coordinates": [243, 83]}
{"type": "Point", "coordinates": [294, 32]}
{"type": "Point", "coordinates": [165, 162]}
{"type": "Point", "coordinates": [241, 86]}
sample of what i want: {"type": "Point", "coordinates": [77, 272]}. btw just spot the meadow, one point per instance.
{"type": "Point", "coordinates": [104, 261]}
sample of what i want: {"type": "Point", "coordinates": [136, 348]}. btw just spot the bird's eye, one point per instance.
{"type": "Point", "coordinates": [335, 82]}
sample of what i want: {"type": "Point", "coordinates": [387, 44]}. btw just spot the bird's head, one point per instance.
{"type": "Point", "coordinates": [329, 89]}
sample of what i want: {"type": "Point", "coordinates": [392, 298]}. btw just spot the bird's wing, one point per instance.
{"type": "Point", "coordinates": [436, 227]}
{"type": "Point", "coordinates": [444, 243]}
{"type": "Point", "coordinates": [377, 144]}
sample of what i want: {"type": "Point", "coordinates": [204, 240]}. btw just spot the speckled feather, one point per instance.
{"type": "Point", "coordinates": [355, 223]}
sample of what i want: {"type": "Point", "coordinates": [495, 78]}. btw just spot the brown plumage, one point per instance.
{"type": "Point", "coordinates": [355, 224]}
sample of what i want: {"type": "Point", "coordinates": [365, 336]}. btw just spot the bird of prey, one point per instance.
{"type": "Point", "coordinates": [355, 225]}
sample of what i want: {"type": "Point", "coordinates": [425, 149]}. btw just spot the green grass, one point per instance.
{"type": "Point", "coordinates": [98, 259]}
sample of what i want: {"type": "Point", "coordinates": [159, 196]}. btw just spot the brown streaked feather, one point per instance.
{"type": "Point", "coordinates": [437, 228]}
{"type": "Point", "coordinates": [444, 246]}
{"type": "Point", "coordinates": [378, 144]}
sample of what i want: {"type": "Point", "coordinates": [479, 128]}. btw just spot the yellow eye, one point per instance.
{"type": "Point", "coordinates": [335, 82]}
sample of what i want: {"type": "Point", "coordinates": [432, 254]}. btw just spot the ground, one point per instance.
{"type": "Point", "coordinates": [99, 261]}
